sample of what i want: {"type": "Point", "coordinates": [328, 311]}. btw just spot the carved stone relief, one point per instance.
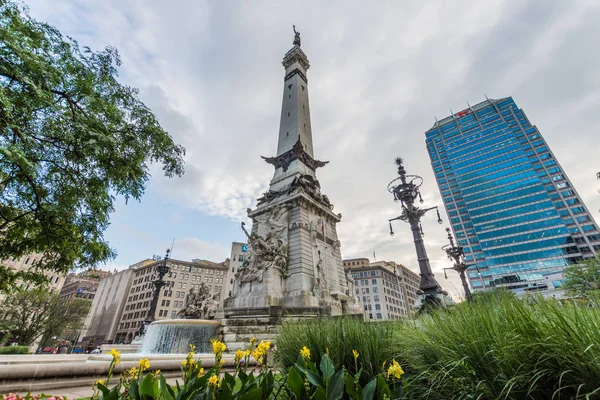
{"type": "Point", "coordinates": [268, 246]}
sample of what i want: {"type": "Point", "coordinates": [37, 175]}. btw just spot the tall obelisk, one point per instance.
{"type": "Point", "coordinates": [295, 265]}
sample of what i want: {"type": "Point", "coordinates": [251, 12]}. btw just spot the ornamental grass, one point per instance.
{"type": "Point", "coordinates": [501, 347]}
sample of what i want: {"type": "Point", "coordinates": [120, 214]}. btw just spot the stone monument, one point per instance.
{"type": "Point", "coordinates": [295, 266]}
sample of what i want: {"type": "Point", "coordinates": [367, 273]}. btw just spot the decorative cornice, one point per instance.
{"type": "Point", "coordinates": [305, 200]}
{"type": "Point", "coordinates": [296, 54]}
{"type": "Point", "coordinates": [296, 72]}
{"type": "Point", "coordinates": [295, 153]}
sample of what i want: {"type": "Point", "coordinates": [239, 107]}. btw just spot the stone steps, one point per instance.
{"type": "Point", "coordinates": [250, 321]}
{"type": "Point", "coordinates": [249, 329]}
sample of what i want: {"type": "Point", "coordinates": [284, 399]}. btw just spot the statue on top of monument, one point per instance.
{"type": "Point", "coordinates": [199, 303]}
{"type": "Point", "coordinates": [296, 37]}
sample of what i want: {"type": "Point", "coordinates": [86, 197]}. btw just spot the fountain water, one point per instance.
{"type": "Point", "coordinates": [174, 336]}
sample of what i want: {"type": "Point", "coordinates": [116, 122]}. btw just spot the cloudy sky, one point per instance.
{"type": "Point", "coordinates": [211, 71]}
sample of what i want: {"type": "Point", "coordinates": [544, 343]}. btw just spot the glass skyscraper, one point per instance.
{"type": "Point", "coordinates": [510, 203]}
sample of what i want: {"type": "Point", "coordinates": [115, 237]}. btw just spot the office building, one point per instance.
{"type": "Point", "coordinates": [83, 285]}
{"type": "Point", "coordinates": [239, 252]}
{"type": "Point", "coordinates": [182, 277]}
{"type": "Point", "coordinates": [386, 290]}
{"type": "Point", "coordinates": [55, 279]}
{"type": "Point", "coordinates": [510, 202]}
{"type": "Point", "coordinates": [102, 321]}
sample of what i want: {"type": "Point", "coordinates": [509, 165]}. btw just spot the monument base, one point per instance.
{"type": "Point", "coordinates": [429, 301]}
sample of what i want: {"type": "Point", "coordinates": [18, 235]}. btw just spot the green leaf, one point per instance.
{"type": "Point", "coordinates": [320, 393]}
{"type": "Point", "coordinates": [134, 392]}
{"type": "Point", "coordinates": [295, 382]}
{"type": "Point", "coordinates": [165, 389]}
{"type": "Point", "coordinates": [147, 386]}
{"type": "Point", "coordinates": [369, 390]}
{"type": "Point", "coordinates": [335, 390]}
{"type": "Point", "coordinates": [242, 377]}
{"type": "Point", "coordinates": [383, 390]}
{"type": "Point", "coordinates": [228, 380]}
{"type": "Point", "coordinates": [314, 378]}
{"type": "Point", "coordinates": [225, 391]}
{"type": "Point", "coordinates": [350, 389]}
{"type": "Point", "coordinates": [254, 394]}
{"type": "Point", "coordinates": [327, 368]}
{"type": "Point", "coordinates": [105, 391]}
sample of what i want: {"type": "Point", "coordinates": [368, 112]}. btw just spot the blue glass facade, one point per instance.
{"type": "Point", "coordinates": [510, 203]}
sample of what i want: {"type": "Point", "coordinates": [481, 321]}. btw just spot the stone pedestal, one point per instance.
{"type": "Point", "coordinates": [309, 280]}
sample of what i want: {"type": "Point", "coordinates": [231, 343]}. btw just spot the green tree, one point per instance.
{"type": "Point", "coordinates": [71, 139]}
{"type": "Point", "coordinates": [30, 314]}
{"type": "Point", "coordinates": [583, 279]}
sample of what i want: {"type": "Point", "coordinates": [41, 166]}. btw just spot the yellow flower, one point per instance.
{"type": "Point", "coordinates": [188, 362]}
{"type": "Point", "coordinates": [305, 353]}
{"type": "Point", "coordinates": [258, 356]}
{"type": "Point", "coordinates": [355, 354]}
{"type": "Point", "coordinates": [100, 382]}
{"type": "Point", "coordinates": [238, 355]}
{"type": "Point", "coordinates": [144, 364]}
{"type": "Point", "coordinates": [218, 347]}
{"type": "Point", "coordinates": [192, 348]}
{"type": "Point", "coordinates": [156, 372]}
{"type": "Point", "coordinates": [200, 372]}
{"type": "Point", "coordinates": [213, 381]}
{"type": "Point", "coordinates": [253, 341]}
{"type": "Point", "coordinates": [133, 372]}
{"type": "Point", "coordinates": [114, 353]}
{"type": "Point", "coordinates": [241, 354]}
{"type": "Point", "coordinates": [395, 370]}
{"type": "Point", "coordinates": [263, 347]}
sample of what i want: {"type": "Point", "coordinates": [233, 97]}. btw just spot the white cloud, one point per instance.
{"type": "Point", "coordinates": [190, 248]}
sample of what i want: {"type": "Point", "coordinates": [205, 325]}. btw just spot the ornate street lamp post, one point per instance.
{"type": "Point", "coordinates": [161, 270]}
{"type": "Point", "coordinates": [456, 254]}
{"type": "Point", "coordinates": [406, 189]}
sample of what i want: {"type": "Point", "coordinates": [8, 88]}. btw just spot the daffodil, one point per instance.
{"type": "Point", "coordinates": [144, 364]}
{"type": "Point", "coordinates": [99, 382]}
{"type": "Point", "coordinates": [395, 370]}
{"type": "Point", "coordinates": [305, 353]}
{"type": "Point", "coordinates": [355, 354]}
{"type": "Point", "coordinates": [213, 381]}
{"type": "Point", "coordinates": [200, 372]}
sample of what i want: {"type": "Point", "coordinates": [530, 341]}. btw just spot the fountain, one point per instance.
{"type": "Point", "coordinates": [174, 336]}
{"type": "Point", "coordinates": [166, 342]}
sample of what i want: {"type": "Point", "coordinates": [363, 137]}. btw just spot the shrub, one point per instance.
{"type": "Point", "coordinates": [374, 342]}
{"type": "Point", "coordinates": [14, 350]}
{"type": "Point", "coordinates": [502, 347]}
